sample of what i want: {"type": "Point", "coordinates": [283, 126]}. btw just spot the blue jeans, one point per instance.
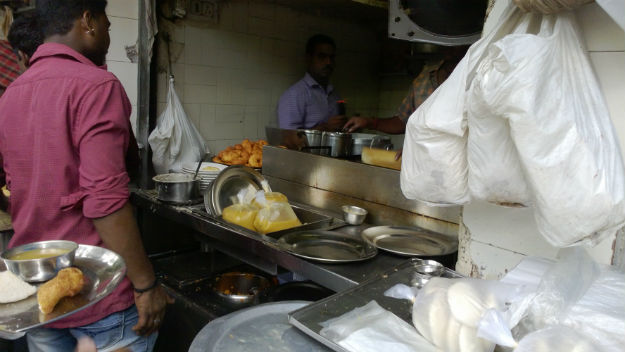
{"type": "Point", "coordinates": [109, 334]}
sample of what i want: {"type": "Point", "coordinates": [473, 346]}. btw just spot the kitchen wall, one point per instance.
{"type": "Point", "coordinates": [230, 74]}
{"type": "Point", "coordinates": [494, 239]}
{"type": "Point", "coordinates": [123, 15]}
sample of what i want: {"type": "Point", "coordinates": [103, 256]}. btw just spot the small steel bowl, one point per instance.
{"type": "Point", "coordinates": [240, 288]}
{"type": "Point", "coordinates": [353, 215]}
{"type": "Point", "coordinates": [37, 270]}
{"type": "Point", "coordinates": [429, 267]}
{"type": "Point", "coordinates": [424, 271]}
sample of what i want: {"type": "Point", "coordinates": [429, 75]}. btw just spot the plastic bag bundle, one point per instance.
{"type": "Point", "coordinates": [522, 120]}
{"type": "Point", "coordinates": [435, 166]}
{"type": "Point", "coordinates": [578, 294]}
{"type": "Point", "coordinates": [275, 217]}
{"type": "Point", "coordinates": [541, 85]}
{"type": "Point", "coordinates": [451, 313]}
{"type": "Point", "coordinates": [557, 339]}
{"type": "Point", "coordinates": [175, 141]}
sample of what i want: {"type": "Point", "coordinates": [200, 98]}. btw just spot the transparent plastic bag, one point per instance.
{"type": "Point", "coordinates": [453, 313]}
{"type": "Point", "coordinates": [175, 141]}
{"type": "Point", "coordinates": [558, 339]}
{"type": "Point", "coordinates": [580, 294]}
{"type": "Point", "coordinates": [372, 328]}
{"type": "Point", "coordinates": [241, 214]}
{"type": "Point", "coordinates": [264, 199]}
{"type": "Point", "coordinates": [275, 217]}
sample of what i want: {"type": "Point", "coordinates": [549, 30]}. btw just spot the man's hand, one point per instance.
{"type": "Point", "coordinates": [356, 123]}
{"type": "Point", "coordinates": [335, 123]}
{"type": "Point", "coordinates": [151, 307]}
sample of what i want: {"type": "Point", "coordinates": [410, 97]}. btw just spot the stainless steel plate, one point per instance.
{"type": "Point", "coordinates": [103, 271]}
{"type": "Point", "coordinates": [410, 241]}
{"type": "Point", "coordinates": [261, 328]}
{"type": "Point", "coordinates": [327, 246]}
{"type": "Point", "coordinates": [224, 189]}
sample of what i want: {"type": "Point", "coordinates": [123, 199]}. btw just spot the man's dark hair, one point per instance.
{"type": "Point", "coordinates": [58, 16]}
{"type": "Point", "coordinates": [25, 33]}
{"type": "Point", "coordinates": [317, 39]}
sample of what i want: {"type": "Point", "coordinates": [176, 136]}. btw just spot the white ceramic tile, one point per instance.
{"type": "Point", "coordinates": [599, 31]}
{"type": "Point", "coordinates": [261, 9]}
{"type": "Point", "coordinates": [261, 26]}
{"type": "Point", "coordinates": [490, 262]}
{"type": "Point", "coordinates": [207, 122]}
{"type": "Point", "coordinates": [124, 32]}
{"type": "Point", "coordinates": [255, 97]}
{"type": "Point", "coordinates": [127, 73]}
{"type": "Point", "coordinates": [229, 114]}
{"type": "Point", "coordinates": [509, 228]}
{"type": "Point", "coordinates": [123, 8]}
{"type": "Point", "coordinates": [231, 59]}
{"type": "Point", "coordinates": [230, 130]}
{"type": "Point", "coordinates": [610, 71]}
{"type": "Point", "coordinates": [200, 94]}
{"type": "Point", "coordinates": [204, 75]}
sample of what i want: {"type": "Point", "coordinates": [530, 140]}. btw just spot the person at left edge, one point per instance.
{"type": "Point", "coordinates": [312, 102]}
{"type": "Point", "coordinates": [64, 135]}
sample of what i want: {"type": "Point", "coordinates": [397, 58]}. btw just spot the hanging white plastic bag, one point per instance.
{"type": "Point", "coordinates": [434, 163]}
{"type": "Point", "coordinates": [175, 141]}
{"type": "Point", "coordinates": [543, 87]}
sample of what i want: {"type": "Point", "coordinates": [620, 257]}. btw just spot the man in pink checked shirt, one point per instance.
{"type": "Point", "coordinates": [64, 136]}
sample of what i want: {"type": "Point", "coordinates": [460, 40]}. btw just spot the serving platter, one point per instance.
{"type": "Point", "coordinates": [410, 241]}
{"type": "Point", "coordinates": [103, 270]}
{"type": "Point", "coordinates": [224, 189]}
{"type": "Point", "coordinates": [261, 328]}
{"type": "Point", "coordinates": [327, 246]}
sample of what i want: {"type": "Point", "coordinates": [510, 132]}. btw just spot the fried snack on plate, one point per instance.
{"type": "Point", "coordinates": [67, 283]}
{"type": "Point", "coordinates": [246, 153]}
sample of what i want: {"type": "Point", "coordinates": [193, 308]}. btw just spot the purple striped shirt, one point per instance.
{"type": "Point", "coordinates": [306, 104]}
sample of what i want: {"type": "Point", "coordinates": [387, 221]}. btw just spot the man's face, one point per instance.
{"type": "Point", "coordinates": [100, 41]}
{"type": "Point", "coordinates": [321, 63]}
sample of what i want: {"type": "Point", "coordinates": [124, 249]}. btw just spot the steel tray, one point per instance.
{"type": "Point", "coordinates": [103, 270]}
{"type": "Point", "coordinates": [307, 319]}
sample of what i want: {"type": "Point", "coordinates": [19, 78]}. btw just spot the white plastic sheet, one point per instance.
{"type": "Point", "coordinates": [175, 141]}
{"type": "Point", "coordinates": [371, 328]}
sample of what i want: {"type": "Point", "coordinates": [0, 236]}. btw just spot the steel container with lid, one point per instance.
{"type": "Point", "coordinates": [340, 143]}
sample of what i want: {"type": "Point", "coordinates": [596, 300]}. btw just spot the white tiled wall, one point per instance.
{"type": "Point", "coordinates": [230, 75]}
{"type": "Point", "coordinates": [495, 238]}
{"type": "Point", "coordinates": [123, 15]}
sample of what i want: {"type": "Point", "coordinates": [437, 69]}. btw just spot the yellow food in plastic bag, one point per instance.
{"type": "Point", "coordinates": [264, 199]}
{"type": "Point", "coordinates": [275, 217]}
{"type": "Point", "coordinates": [241, 214]}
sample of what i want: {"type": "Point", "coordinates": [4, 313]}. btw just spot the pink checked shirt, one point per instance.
{"type": "Point", "coordinates": [64, 133]}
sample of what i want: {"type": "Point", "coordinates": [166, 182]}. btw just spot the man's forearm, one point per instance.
{"type": "Point", "coordinates": [120, 233]}
{"type": "Point", "coordinates": [393, 125]}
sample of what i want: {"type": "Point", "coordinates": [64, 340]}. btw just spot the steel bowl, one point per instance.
{"type": "Point", "coordinates": [241, 288]}
{"type": "Point", "coordinates": [37, 270]}
{"type": "Point", "coordinates": [178, 188]}
{"type": "Point", "coordinates": [353, 215]}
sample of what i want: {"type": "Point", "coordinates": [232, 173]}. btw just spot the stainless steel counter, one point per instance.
{"type": "Point", "coordinates": [262, 252]}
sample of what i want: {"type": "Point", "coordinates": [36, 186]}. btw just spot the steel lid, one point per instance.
{"type": "Point", "coordinates": [231, 181]}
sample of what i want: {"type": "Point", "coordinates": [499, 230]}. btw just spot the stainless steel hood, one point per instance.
{"type": "Point", "coordinates": [443, 22]}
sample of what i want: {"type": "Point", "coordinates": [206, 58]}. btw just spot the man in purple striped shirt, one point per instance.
{"type": "Point", "coordinates": [312, 102]}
